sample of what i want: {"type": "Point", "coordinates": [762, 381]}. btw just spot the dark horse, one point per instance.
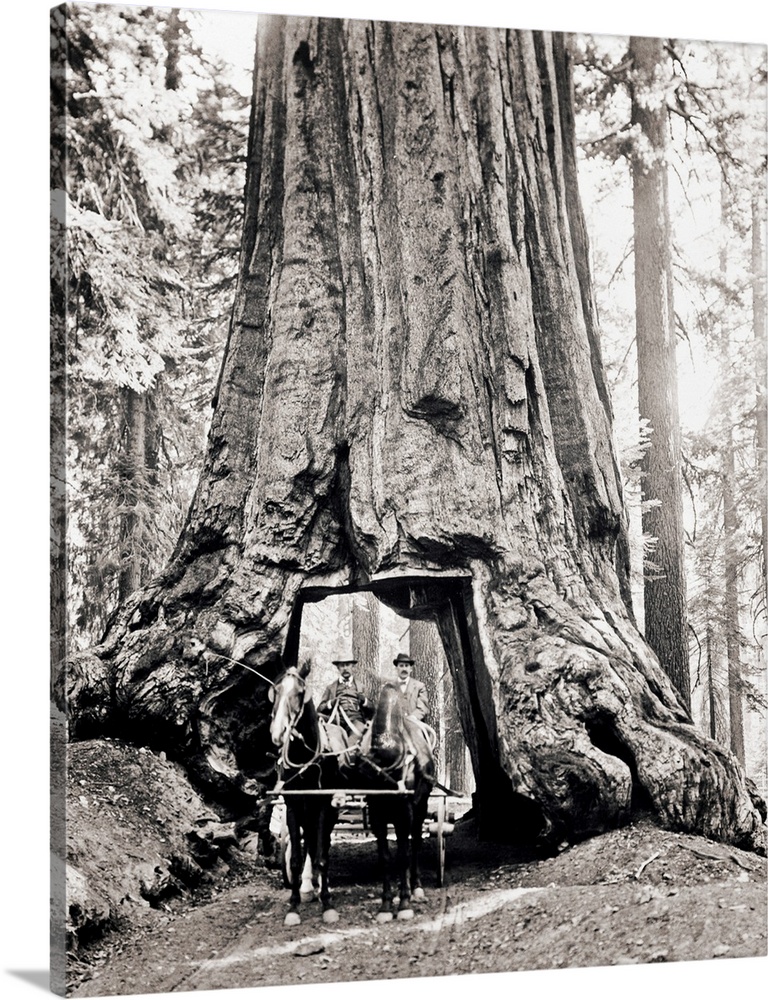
{"type": "Point", "coordinates": [303, 766]}
{"type": "Point", "coordinates": [389, 763]}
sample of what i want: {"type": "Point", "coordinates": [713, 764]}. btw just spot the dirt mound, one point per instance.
{"type": "Point", "coordinates": [137, 835]}
{"type": "Point", "coordinates": [641, 852]}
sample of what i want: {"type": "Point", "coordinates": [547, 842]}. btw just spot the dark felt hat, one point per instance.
{"type": "Point", "coordinates": [402, 658]}
{"type": "Point", "coordinates": [342, 662]}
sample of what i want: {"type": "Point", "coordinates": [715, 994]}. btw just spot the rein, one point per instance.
{"type": "Point", "coordinates": [293, 733]}
{"type": "Point", "coordinates": [338, 710]}
{"type": "Point", "coordinates": [385, 771]}
{"type": "Point", "coordinates": [317, 755]}
{"type": "Point", "coordinates": [387, 725]}
{"type": "Point", "coordinates": [246, 666]}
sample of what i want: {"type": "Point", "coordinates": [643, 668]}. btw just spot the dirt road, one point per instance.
{"type": "Point", "coordinates": [635, 895]}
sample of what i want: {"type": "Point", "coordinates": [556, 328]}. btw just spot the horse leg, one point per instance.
{"type": "Point", "coordinates": [294, 832]}
{"type": "Point", "coordinates": [417, 832]}
{"type": "Point", "coordinates": [403, 832]}
{"type": "Point", "coordinates": [307, 886]}
{"type": "Point", "coordinates": [326, 822]}
{"type": "Point", "coordinates": [378, 823]}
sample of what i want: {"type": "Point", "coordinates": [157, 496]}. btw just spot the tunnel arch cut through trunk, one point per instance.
{"type": "Point", "coordinates": [446, 600]}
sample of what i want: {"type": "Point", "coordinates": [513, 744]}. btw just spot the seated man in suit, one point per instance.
{"type": "Point", "coordinates": [414, 696]}
{"type": "Point", "coordinates": [344, 705]}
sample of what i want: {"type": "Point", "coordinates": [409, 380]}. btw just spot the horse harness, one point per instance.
{"type": "Point", "coordinates": [338, 709]}
{"type": "Point", "coordinates": [406, 757]}
{"type": "Point", "coordinates": [292, 734]}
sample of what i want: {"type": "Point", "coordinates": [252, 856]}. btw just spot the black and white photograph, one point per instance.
{"type": "Point", "coordinates": [408, 506]}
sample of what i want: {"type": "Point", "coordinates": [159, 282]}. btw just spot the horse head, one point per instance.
{"type": "Point", "coordinates": [388, 739]}
{"type": "Point", "coordinates": [288, 697]}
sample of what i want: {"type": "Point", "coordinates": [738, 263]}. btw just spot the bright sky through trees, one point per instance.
{"type": "Point", "coordinates": [230, 35]}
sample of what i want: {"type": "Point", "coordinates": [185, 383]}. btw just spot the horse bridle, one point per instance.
{"type": "Point", "coordinates": [317, 753]}
{"type": "Point", "coordinates": [290, 732]}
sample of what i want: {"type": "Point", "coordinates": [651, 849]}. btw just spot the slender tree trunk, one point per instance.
{"type": "Point", "coordinates": [427, 650]}
{"type": "Point", "coordinates": [140, 447]}
{"type": "Point", "coordinates": [133, 487]}
{"type": "Point", "coordinates": [731, 597]}
{"type": "Point", "coordinates": [730, 528]}
{"type": "Point", "coordinates": [711, 698]}
{"type": "Point", "coordinates": [171, 40]}
{"type": "Point", "coordinates": [138, 480]}
{"type": "Point", "coordinates": [411, 403]}
{"type": "Point", "coordinates": [452, 739]}
{"type": "Point", "coordinates": [366, 622]}
{"type": "Point", "coordinates": [761, 362]}
{"type": "Point", "coordinates": [58, 465]}
{"type": "Point", "coordinates": [666, 625]}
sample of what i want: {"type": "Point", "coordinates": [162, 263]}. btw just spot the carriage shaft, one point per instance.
{"type": "Point", "coordinates": [340, 791]}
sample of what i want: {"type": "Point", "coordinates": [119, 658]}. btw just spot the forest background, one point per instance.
{"type": "Point", "coordinates": [25, 424]}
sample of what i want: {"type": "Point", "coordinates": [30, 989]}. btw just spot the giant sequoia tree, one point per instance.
{"type": "Point", "coordinates": [412, 402]}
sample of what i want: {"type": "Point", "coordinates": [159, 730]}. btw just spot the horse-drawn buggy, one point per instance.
{"type": "Point", "coordinates": [353, 823]}
{"type": "Point", "coordinates": [381, 786]}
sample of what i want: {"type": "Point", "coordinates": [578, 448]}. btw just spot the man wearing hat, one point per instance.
{"type": "Point", "coordinates": [414, 696]}
{"type": "Point", "coordinates": [413, 692]}
{"type": "Point", "coordinates": [343, 704]}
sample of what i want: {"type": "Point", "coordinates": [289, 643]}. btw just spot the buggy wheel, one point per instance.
{"type": "Point", "coordinates": [440, 837]}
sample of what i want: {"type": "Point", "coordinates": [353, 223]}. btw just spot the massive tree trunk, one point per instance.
{"type": "Point", "coordinates": [412, 402]}
{"type": "Point", "coordinates": [664, 592]}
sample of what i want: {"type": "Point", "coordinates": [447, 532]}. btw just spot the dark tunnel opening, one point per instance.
{"type": "Point", "coordinates": [431, 618]}
{"type": "Point", "coordinates": [603, 735]}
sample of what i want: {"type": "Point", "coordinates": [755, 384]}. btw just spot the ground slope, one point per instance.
{"type": "Point", "coordinates": [635, 895]}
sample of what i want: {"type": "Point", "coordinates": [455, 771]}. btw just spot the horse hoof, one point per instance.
{"type": "Point", "coordinates": [330, 917]}
{"type": "Point", "coordinates": [383, 917]}
{"type": "Point", "coordinates": [405, 914]}
{"type": "Point", "coordinates": [307, 897]}
{"type": "Point", "coordinates": [418, 895]}
{"type": "Point", "coordinates": [291, 919]}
